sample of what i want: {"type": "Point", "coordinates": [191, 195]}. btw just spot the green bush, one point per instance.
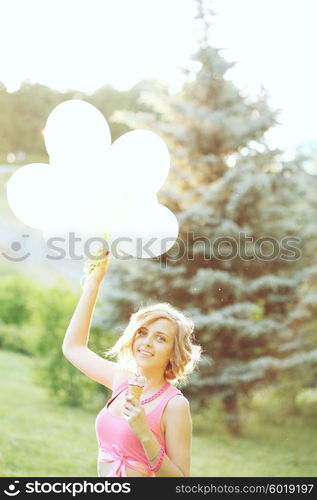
{"type": "Point", "coordinates": [53, 370]}
{"type": "Point", "coordinates": [33, 320]}
{"type": "Point", "coordinates": [18, 298]}
{"type": "Point", "coordinates": [19, 338]}
{"type": "Point", "coordinates": [18, 301]}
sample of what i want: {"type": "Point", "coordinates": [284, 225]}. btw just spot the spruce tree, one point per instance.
{"type": "Point", "coordinates": [241, 215]}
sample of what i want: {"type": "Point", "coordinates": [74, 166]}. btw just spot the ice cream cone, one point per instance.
{"type": "Point", "coordinates": [136, 385]}
{"type": "Point", "coordinates": [136, 391]}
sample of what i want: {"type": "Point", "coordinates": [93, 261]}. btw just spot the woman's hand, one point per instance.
{"type": "Point", "coordinates": [96, 269]}
{"type": "Point", "coordinates": [134, 413]}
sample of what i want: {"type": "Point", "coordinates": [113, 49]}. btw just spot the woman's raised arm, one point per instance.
{"type": "Point", "coordinates": [76, 338]}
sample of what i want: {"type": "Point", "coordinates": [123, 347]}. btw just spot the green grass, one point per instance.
{"type": "Point", "coordinates": [39, 437]}
{"type": "Point", "coordinates": [42, 438]}
{"type": "Point", "coordinates": [288, 451]}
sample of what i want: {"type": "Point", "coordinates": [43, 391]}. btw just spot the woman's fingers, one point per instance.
{"type": "Point", "coordinates": [131, 407]}
{"type": "Point", "coordinates": [133, 400]}
{"type": "Point", "coordinates": [96, 270]}
{"type": "Point", "coordinates": [128, 406]}
{"type": "Point", "coordinates": [128, 413]}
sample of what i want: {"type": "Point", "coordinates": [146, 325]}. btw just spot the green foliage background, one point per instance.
{"type": "Point", "coordinates": [25, 111]}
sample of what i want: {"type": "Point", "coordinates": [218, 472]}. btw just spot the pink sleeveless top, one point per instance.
{"type": "Point", "coordinates": [118, 444]}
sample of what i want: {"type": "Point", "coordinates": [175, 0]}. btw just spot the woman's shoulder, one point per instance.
{"type": "Point", "coordinates": [177, 411]}
{"type": "Point", "coordinates": [177, 404]}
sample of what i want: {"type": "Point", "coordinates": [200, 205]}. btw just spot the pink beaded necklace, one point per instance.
{"type": "Point", "coordinates": [154, 396]}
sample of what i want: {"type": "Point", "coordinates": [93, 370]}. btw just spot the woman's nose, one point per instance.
{"type": "Point", "coordinates": [147, 341]}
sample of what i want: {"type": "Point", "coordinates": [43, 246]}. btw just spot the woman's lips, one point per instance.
{"type": "Point", "coordinates": [145, 353]}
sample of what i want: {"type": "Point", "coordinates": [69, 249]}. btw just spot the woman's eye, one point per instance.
{"type": "Point", "coordinates": [142, 333]}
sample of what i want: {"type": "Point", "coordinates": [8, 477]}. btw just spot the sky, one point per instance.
{"type": "Point", "coordinates": [85, 44]}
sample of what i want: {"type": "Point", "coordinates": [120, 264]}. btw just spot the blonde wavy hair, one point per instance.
{"type": "Point", "coordinates": [185, 355]}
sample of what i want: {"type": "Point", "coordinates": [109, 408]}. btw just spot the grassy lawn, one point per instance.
{"type": "Point", "coordinates": [42, 438]}
{"type": "Point", "coordinates": [288, 451]}
{"type": "Point", "coordinates": [39, 437]}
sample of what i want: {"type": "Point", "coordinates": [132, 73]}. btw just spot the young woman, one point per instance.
{"type": "Point", "coordinates": [150, 437]}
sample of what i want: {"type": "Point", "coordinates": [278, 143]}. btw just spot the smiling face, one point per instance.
{"type": "Point", "coordinates": [153, 344]}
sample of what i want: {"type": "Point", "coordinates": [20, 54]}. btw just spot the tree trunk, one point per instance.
{"type": "Point", "coordinates": [232, 417]}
